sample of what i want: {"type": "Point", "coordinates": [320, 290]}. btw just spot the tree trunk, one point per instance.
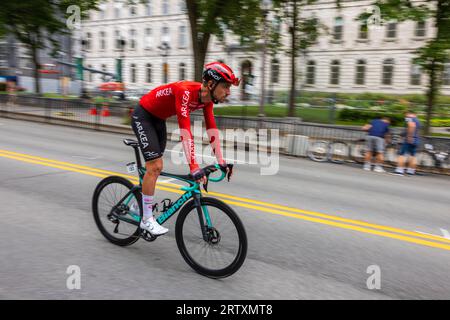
{"type": "Point", "coordinates": [291, 106]}
{"type": "Point", "coordinates": [431, 97]}
{"type": "Point", "coordinates": [34, 55]}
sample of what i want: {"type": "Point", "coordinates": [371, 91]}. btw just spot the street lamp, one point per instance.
{"type": "Point", "coordinates": [84, 43]}
{"type": "Point", "coordinates": [165, 47]}
{"type": "Point", "coordinates": [265, 8]}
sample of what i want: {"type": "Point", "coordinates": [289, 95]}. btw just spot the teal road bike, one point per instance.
{"type": "Point", "coordinates": [209, 234]}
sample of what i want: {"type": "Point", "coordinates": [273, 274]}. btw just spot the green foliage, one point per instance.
{"type": "Point", "coordinates": [358, 115]}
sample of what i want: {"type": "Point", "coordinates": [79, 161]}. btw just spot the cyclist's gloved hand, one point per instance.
{"type": "Point", "coordinates": [199, 175]}
{"type": "Point", "coordinates": [223, 166]}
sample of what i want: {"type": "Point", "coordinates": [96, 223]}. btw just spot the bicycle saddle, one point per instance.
{"type": "Point", "coordinates": [130, 142]}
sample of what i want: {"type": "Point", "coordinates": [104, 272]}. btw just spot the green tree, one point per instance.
{"type": "Point", "coordinates": [215, 17]}
{"type": "Point", "coordinates": [37, 23]}
{"type": "Point", "coordinates": [303, 33]}
{"type": "Point", "coordinates": [433, 56]}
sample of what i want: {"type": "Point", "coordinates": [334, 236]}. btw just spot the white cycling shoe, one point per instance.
{"type": "Point", "coordinates": [153, 227]}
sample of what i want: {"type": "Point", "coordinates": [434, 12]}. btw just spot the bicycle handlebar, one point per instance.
{"type": "Point", "coordinates": [208, 170]}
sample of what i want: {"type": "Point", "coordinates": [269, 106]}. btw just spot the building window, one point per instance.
{"type": "Point", "coordinates": [363, 31]}
{"type": "Point", "coordinates": [182, 4]}
{"type": "Point", "coordinates": [182, 37]}
{"type": "Point", "coordinates": [420, 29]}
{"type": "Point", "coordinates": [416, 74]}
{"type": "Point", "coordinates": [165, 68]}
{"type": "Point", "coordinates": [311, 73]}
{"type": "Point", "coordinates": [165, 34]}
{"type": "Point", "coordinates": [275, 76]}
{"type": "Point", "coordinates": [102, 40]}
{"type": "Point", "coordinates": [446, 75]}
{"type": "Point", "coordinates": [388, 72]}
{"type": "Point", "coordinates": [148, 7]}
{"type": "Point", "coordinates": [335, 72]}
{"type": "Point", "coordinates": [117, 38]}
{"type": "Point", "coordinates": [133, 73]}
{"type": "Point", "coordinates": [133, 10]}
{"type": "Point", "coordinates": [148, 38]}
{"type": "Point", "coordinates": [132, 39]}
{"type": "Point", "coordinates": [360, 78]}
{"type": "Point", "coordinates": [102, 76]}
{"type": "Point", "coordinates": [89, 73]}
{"type": "Point", "coordinates": [165, 7]}
{"type": "Point", "coordinates": [391, 31]}
{"type": "Point", "coordinates": [182, 71]}
{"type": "Point", "coordinates": [148, 73]}
{"type": "Point", "coordinates": [338, 28]}
{"type": "Point", "coordinates": [87, 41]}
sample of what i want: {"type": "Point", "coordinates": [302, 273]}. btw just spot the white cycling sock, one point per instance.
{"type": "Point", "coordinates": [147, 205]}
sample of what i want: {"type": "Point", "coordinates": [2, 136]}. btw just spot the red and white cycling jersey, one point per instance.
{"type": "Point", "coordinates": [180, 99]}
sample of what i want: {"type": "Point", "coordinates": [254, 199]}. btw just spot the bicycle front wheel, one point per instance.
{"type": "Point", "coordinates": [220, 250]}
{"type": "Point", "coordinates": [338, 152]}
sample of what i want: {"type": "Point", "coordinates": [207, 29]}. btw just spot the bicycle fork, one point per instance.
{"type": "Point", "coordinates": [209, 233]}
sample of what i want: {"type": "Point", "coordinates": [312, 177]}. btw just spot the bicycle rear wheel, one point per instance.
{"type": "Point", "coordinates": [117, 221]}
{"type": "Point", "coordinates": [222, 252]}
{"type": "Point", "coordinates": [318, 151]}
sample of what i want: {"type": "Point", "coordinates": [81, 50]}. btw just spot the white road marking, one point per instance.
{"type": "Point", "coordinates": [446, 234]}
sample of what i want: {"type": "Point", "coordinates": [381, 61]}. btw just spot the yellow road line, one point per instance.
{"type": "Point", "coordinates": [260, 206]}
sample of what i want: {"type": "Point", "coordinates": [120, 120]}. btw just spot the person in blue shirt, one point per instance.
{"type": "Point", "coordinates": [378, 133]}
{"type": "Point", "coordinates": [409, 146]}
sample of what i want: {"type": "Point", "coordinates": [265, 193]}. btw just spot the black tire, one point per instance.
{"type": "Point", "coordinates": [318, 151]}
{"type": "Point", "coordinates": [184, 236]}
{"type": "Point", "coordinates": [338, 152]}
{"type": "Point", "coordinates": [133, 235]}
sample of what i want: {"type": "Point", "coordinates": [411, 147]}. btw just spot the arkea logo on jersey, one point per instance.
{"type": "Point", "coordinates": [184, 103]}
{"type": "Point", "coordinates": [164, 92]}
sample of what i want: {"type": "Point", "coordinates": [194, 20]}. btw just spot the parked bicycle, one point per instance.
{"type": "Point", "coordinates": [209, 234]}
{"type": "Point", "coordinates": [429, 157]}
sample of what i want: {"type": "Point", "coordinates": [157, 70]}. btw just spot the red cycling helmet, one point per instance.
{"type": "Point", "coordinates": [218, 71]}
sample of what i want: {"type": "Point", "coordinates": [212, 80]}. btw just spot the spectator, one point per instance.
{"type": "Point", "coordinates": [410, 143]}
{"type": "Point", "coordinates": [378, 132]}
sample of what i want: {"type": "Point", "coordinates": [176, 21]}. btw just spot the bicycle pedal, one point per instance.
{"type": "Point", "coordinates": [147, 236]}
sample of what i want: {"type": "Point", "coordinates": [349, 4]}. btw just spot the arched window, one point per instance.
{"type": "Point", "coordinates": [275, 74]}
{"type": "Point", "coordinates": [148, 73]}
{"type": "Point", "coordinates": [102, 40]}
{"type": "Point", "coordinates": [391, 30]}
{"type": "Point", "coordinates": [182, 37]}
{"type": "Point", "coordinates": [335, 72]}
{"type": "Point", "coordinates": [165, 7]}
{"type": "Point", "coordinates": [416, 75]}
{"type": "Point", "coordinates": [165, 68]}
{"type": "Point", "coordinates": [133, 73]}
{"type": "Point", "coordinates": [388, 72]}
{"type": "Point", "coordinates": [311, 73]}
{"type": "Point", "coordinates": [182, 71]}
{"type": "Point", "coordinates": [360, 78]}
{"type": "Point", "coordinates": [132, 40]}
{"type": "Point", "coordinates": [338, 28]}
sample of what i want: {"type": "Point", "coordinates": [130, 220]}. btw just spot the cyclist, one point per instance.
{"type": "Point", "coordinates": [178, 98]}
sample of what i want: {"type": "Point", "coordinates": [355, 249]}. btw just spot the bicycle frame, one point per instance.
{"type": "Point", "coordinates": [193, 191]}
